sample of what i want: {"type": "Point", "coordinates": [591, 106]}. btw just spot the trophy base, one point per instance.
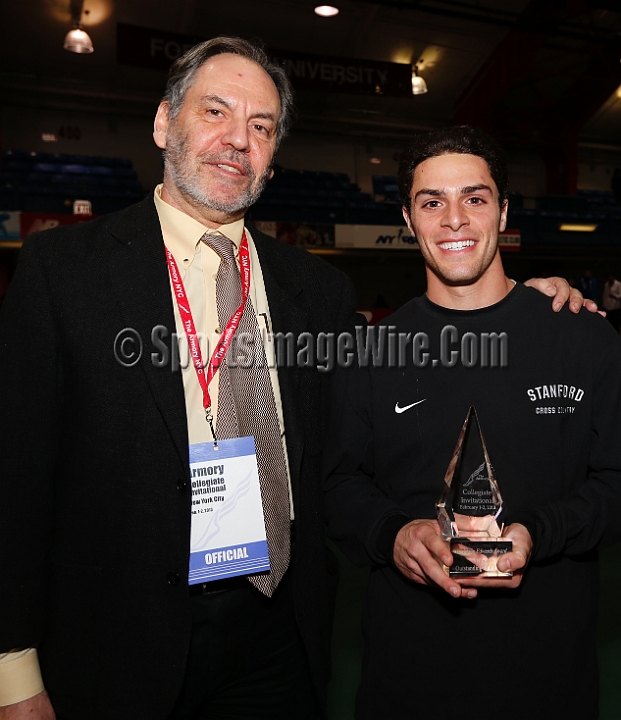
{"type": "Point", "coordinates": [478, 558]}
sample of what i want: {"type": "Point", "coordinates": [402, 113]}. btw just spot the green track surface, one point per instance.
{"type": "Point", "coordinates": [609, 634]}
{"type": "Point", "coordinates": [347, 640]}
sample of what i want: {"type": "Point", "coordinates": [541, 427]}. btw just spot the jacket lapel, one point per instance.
{"type": "Point", "coordinates": [142, 290]}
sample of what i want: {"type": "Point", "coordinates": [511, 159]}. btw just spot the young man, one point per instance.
{"type": "Point", "coordinates": [611, 301]}
{"type": "Point", "coordinates": [549, 407]}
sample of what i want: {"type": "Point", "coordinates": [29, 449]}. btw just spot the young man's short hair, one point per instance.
{"type": "Point", "coordinates": [462, 140]}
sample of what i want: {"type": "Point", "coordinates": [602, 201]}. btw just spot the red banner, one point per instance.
{"type": "Point", "coordinates": [31, 222]}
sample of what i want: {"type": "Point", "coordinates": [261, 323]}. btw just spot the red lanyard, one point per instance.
{"type": "Point", "coordinates": [190, 330]}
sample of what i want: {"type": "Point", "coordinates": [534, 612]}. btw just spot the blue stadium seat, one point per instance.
{"type": "Point", "coordinates": [50, 182]}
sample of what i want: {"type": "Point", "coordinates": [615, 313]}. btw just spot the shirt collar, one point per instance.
{"type": "Point", "coordinates": [182, 233]}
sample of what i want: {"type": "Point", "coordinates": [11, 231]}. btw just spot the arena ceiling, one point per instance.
{"type": "Point", "coordinates": [545, 71]}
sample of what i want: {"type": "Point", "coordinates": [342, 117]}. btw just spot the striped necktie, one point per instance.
{"type": "Point", "coordinates": [246, 406]}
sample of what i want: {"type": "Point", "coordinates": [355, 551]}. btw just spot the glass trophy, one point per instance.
{"type": "Point", "coordinates": [469, 507]}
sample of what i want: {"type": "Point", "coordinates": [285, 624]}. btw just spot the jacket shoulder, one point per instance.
{"type": "Point", "coordinates": [79, 236]}
{"type": "Point", "coordinates": [297, 259]}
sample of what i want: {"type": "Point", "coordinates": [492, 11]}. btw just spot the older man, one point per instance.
{"type": "Point", "coordinates": [96, 517]}
{"type": "Point", "coordinates": [549, 408]}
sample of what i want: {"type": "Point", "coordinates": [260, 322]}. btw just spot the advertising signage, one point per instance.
{"type": "Point", "coordinates": [158, 49]}
{"type": "Point", "coordinates": [345, 75]}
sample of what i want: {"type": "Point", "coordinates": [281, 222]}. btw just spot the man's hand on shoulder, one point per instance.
{"type": "Point", "coordinates": [38, 707]}
{"type": "Point", "coordinates": [516, 561]}
{"type": "Point", "coordinates": [420, 553]}
{"type": "Point", "coordinates": [561, 291]}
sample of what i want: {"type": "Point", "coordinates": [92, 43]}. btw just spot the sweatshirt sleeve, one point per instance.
{"type": "Point", "coordinates": [30, 399]}
{"type": "Point", "coordinates": [589, 517]}
{"type": "Point", "coordinates": [20, 676]}
{"type": "Point", "coordinates": [361, 519]}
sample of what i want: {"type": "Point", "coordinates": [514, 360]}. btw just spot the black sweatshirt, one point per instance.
{"type": "Point", "coordinates": [547, 389]}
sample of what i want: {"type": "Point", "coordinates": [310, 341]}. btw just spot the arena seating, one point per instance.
{"type": "Point", "coordinates": [46, 182]}
{"type": "Point", "coordinates": [588, 207]}
{"type": "Point", "coordinates": [325, 197]}
{"type": "Point", "coordinates": [386, 188]}
{"type": "Point", "coordinates": [540, 225]}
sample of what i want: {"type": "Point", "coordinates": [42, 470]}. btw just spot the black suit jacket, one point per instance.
{"type": "Point", "coordinates": [94, 498]}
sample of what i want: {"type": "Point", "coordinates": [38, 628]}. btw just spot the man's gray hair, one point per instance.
{"type": "Point", "coordinates": [183, 70]}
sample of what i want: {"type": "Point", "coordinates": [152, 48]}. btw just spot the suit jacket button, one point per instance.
{"type": "Point", "coordinates": [182, 485]}
{"type": "Point", "coordinates": [173, 578]}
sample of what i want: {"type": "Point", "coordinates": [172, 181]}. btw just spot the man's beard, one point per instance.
{"type": "Point", "coordinates": [186, 174]}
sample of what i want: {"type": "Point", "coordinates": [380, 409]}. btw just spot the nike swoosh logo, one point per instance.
{"type": "Point", "coordinates": [400, 410]}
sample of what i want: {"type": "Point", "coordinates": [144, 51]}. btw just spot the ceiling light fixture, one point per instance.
{"type": "Point", "coordinates": [326, 10]}
{"type": "Point", "coordinates": [78, 40]}
{"type": "Point", "coordinates": [419, 86]}
{"type": "Point", "coordinates": [375, 161]}
{"type": "Point", "coordinates": [577, 227]}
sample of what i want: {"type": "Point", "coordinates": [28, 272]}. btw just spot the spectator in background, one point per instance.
{"type": "Point", "coordinates": [4, 282]}
{"type": "Point", "coordinates": [611, 300]}
{"type": "Point", "coordinates": [615, 185]}
{"type": "Point", "coordinates": [588, 286]}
